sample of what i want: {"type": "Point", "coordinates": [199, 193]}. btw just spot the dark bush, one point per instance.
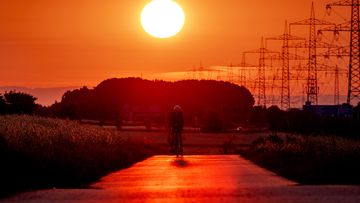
{"type": "Point", "coordinates": [213, 123]}
{"type": "Point", "coordinates": [308, 160]}
{"type": "Point", "coordinates": [17, 103]}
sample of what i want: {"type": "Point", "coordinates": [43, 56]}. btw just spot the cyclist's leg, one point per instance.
{"type": "Point", "coordinates": [172, 142]}
{"type": "Point", "coordinates": [177, 151]}
{"type": "Point", "coordinates": [180, 143]}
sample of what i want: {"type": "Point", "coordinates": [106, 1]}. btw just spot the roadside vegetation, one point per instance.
{"type": "Point", "coordinates": [38, 152]}
{"type": "Point", "coordinates": [308, 159]}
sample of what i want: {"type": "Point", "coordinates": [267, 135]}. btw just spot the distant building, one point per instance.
{"type": "Point", "coordinates": [338, 111]}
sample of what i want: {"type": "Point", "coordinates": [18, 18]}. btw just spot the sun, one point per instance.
{"type": "Point", "coordinates": [162, 18]}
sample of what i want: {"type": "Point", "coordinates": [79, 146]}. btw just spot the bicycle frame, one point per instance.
{"type": "Point", "coordinates": [177, 143]}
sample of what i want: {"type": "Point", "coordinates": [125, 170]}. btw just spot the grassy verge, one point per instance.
{"type": "Point", "coordinates": [40, 152]}
{"type": "Point", "coordinates": [308, 160]}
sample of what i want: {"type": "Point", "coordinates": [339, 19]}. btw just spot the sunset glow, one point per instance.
{"type": "Point", "coordinates": [75, 43]}
{"type": "Point", "coordinates": [180, 101]}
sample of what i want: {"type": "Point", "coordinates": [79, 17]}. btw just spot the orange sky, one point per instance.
{"type": "Point", "coordinates": [47, 43]}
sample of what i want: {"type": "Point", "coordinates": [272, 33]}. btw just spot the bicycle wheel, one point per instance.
{"type": "Point", "coordinates": [178, 145]}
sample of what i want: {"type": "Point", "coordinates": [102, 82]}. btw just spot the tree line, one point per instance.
{"type": "Point", "coordinates": [214, 106]}
{"type": "Point", "coordinates": [307, 122]}
{"type": "Point", "coordinates": [211, 105]}
{"type": "Point", "coordinates": [217, 103]}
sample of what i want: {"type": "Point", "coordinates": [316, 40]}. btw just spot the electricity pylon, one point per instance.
{"type": "Point", "coordinates": [336, 87]}
{"type": "Point", "coordinates": [263, 53]}
{"type": "Point", "coordinates": [352, 26]}
{"type": "Point", "coordinates": [312, 82]}
{"type": "Point", "coordinates": [241, 72]}
{"type": "Point", "coordinates": [241, 76]}
{"type": "Point", "coordinates": [285, 62]}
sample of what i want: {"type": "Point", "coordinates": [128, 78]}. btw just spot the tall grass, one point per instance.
{"type": "Point", "coordinates": [309, 160]}
{"type": "Point", "coordinates": [43, 152]}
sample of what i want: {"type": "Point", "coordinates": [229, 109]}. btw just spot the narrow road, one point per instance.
{"type": "Point", "coordinates": [195, 178]}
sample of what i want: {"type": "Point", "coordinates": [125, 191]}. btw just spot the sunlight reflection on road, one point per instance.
{"type": "Point", "coordinates": [169, 176]}
{"type": "Point", "coordinates": [207, 178]}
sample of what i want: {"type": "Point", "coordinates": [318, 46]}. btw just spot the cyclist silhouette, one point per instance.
{"type": "Point", "coordinates": [176, 126]}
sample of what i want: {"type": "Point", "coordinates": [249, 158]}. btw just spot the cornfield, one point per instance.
{"type": "Point", "coordinates": [47, 152]}
{"type": "Point", "coordinates": [309, 159]}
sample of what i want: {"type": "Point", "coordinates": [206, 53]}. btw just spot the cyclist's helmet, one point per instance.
{"type": "Point", "coordinates": [177, 108]}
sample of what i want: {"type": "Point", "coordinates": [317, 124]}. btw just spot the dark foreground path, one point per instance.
{"type": "Point", "coordinates": [196, 178]}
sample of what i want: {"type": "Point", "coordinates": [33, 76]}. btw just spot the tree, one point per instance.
{"type": "Point", "coordinates": [258, 115]}
{"type": "Point", "coordinates": [276, 118]}
{"type": "Point", "coordinates": [19, 103]}
{"type": "Point", "coordinates": [137, 100]}
{"type": "Point", "coordinates": [356, 112]}
{"type": "Point", "coordinates": [213, 123]}
{"type": "Point", "coordinates": [2, 105]}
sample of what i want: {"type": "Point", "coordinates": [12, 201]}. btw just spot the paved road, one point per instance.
{"type": "Point", "coordinates": [196, 178]}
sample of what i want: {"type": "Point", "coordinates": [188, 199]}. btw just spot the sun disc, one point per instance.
{"type": "Point", "coordinates": [162, 18]}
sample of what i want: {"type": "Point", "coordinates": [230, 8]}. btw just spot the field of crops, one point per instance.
{"type": "Point", "coordinates": [309, 159]}
{"type": "Point", "coordinates": [40, 152]}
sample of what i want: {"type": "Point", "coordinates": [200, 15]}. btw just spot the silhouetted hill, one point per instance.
{"type": "Point", "coordinates": [138, 100]}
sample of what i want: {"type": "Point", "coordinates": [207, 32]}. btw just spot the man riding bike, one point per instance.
{"type": "Point", "coordinates": [176, 126]}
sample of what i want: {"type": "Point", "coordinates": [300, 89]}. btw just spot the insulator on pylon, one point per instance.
{"type": "Point", "coordinates": [328, 9]}
{"type": "Point", "coordinates": [339, 54]}
{"type": "Point", "coordinates": [319, 35]}
{"type": "Point", "coordinates": [336, 35]}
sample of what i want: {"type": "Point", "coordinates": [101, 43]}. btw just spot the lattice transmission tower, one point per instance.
{"type": "Point", "coordinates": [263, 55]}
{"type": "Point", "coordinates": [352, 26]}
{"type": "Point", "coordinates": [285, 58]}
{"type": "Point", "coordinates": [312, 82]}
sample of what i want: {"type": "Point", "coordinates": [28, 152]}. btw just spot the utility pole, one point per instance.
{"type": "Point", "coordinates": [230, 73]}
{"type": "Point", "coordinates": [201, 71]}
{"type": "Point", "coordinates": [352, 26]}
{"type": "Point", "coordinates": [312, 82]}
{"type": "Point", "coordinates": [218, 74]}
{"type": "Point", "coordinates": [242, 79]}
{"type": "Point", "coordinates": [263, 52]}
{"type": "Point", "coordinates": [285, 61]}
{"type": "Point", "coordinates": [339, 53]}
{"type": "Point", "coordinates": [194, 73]}
{"type": "Point", "coordinates": [336, 87]}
